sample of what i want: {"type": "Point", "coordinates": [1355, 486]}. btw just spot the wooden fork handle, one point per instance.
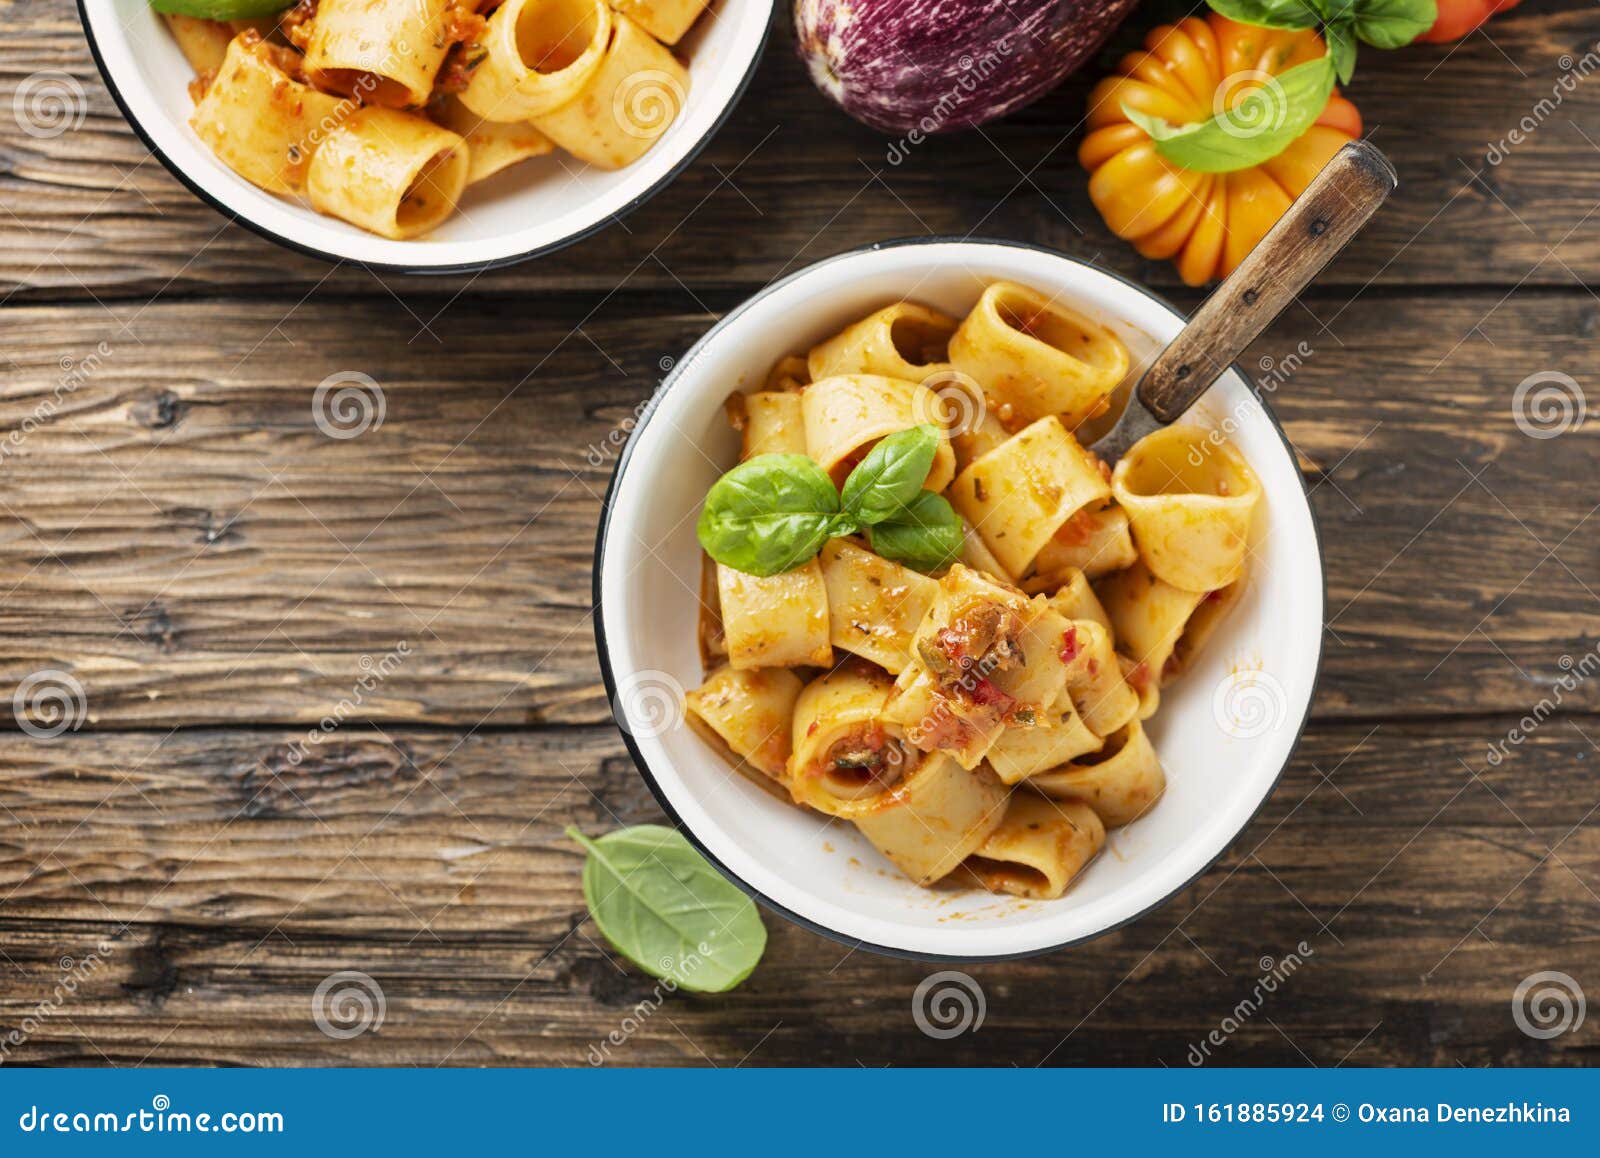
{"type": "Point", "coordinates": [1319, 223]}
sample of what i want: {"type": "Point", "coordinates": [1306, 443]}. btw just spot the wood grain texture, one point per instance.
{"type": "Point", "coordinates": [90, 213]}
{"type": "Point", "coordinates": [221, 575]}
{"type": "Point", "coordinates": [202, 890]}
{"type": "Point", "coordinates": [202, 552]}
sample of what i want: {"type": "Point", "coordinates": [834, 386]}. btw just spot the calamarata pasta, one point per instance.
{"type": "Point", "coordinates": [940, 617]}
{"type": "Point", "coordinates": [383, 112]}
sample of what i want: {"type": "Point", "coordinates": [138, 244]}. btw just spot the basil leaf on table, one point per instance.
{"type": "Point", "coordinates": [221, 9]}
{"type": "Point", "coordinates": [1269, 13]}
{"type": "Point", "coordinates": [770, 514]}
{"type": "Point", "coordinates": [1257, 129]}
{"type": "Point", "coordinates": [925, 536]}
{"type": "Point", "coordinates": [891, 475]}
{"type": "Point", "coordinates": [663, 907]}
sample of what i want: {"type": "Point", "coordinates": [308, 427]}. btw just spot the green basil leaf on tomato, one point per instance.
{"type": "Point", "coordinates": [1265, 122]}
{"type": "Point", "coordinates": [1383, 23]}
{"type": "Point", "coordinates": [1294, 14]}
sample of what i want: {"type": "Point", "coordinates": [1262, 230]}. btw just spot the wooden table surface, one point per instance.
{"type": "Point", "coordinates": [181, 540]}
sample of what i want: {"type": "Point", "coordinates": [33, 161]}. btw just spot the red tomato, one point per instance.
{"type": "Point", "coordinates": [1459, 17]}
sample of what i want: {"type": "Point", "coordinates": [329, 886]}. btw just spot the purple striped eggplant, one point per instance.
{"type": "Point", "coordinates": [933, 66]}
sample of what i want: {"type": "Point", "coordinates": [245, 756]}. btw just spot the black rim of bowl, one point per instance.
{"type": "Point", "coordinates": [649, 776]}
{"type": "Point", "coordinates": [289, 243]}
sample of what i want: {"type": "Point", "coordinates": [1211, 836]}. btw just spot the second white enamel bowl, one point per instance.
{"type": "Point", "coordinates": [1225, 732]}
{"type": "Point", "coordinates": [530, 209]}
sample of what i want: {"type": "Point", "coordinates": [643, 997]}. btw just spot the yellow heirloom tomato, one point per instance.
{"type": "Point", "coordinates": [1187, 73]}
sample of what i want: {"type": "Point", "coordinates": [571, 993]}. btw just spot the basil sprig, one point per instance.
{"type": "Point", "coordinates": [663, 907]}
{"type": "Point", "coordinates": [1294, 14]}
{"type": "Point", "coordinates": [773, 512]}
{"type": "Point", "coordinates": [1380, 23]}
{"type": "Point", "coordinates": [1341, 40]}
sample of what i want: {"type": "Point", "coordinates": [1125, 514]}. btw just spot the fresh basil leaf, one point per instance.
{"type": "Point", "coordinates": [1341, 50]}
{"type": "Point", "coordinates": [844, 523]}
{"type": "Point", "coordinates": [1383, 23]}
{"type": "Point", "coordinates": [925, 536]}
{"type": "Point", "coordinates": [769, 514]}
{"type": "Point", "coordinates": [1257, 129]}
{"type": "Point", "coordinates": [891, 475]}
{"type": "Point", "coordinates": [1269, 13]}
{"type": "Point", "coordinates": [222, 9]}
{"type": "Point", "coordinates": [663, 907]}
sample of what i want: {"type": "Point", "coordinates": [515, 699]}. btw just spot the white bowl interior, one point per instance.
{"type": "Point", "coordinates": [1224, 731]}
{"type": "Point", "coordinates": [533, 206]}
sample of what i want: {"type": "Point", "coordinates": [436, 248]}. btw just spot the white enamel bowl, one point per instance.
{"type": "Point", "coordinates": [531, 209]}
{"type": "Point", "coordinates": [1225, 732]}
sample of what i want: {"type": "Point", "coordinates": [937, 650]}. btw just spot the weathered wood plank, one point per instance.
{"type": "Point", "coordinates": [365, 832]}
{"type": "Point", "coordinates": [202, 891]}
{"type": "Point", "coordinates": [354, 830]}
{"type": "Point", "coordinates": [89, 212]}
{"type": "Point", "coordinates": [182, 537]}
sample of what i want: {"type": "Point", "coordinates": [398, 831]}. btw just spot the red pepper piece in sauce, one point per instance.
{"type": "Point", "coordinates": [985, 693]}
